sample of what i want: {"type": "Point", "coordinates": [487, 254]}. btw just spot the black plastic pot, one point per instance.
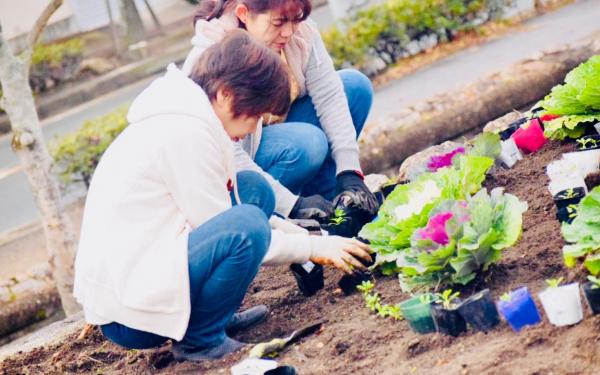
{"type": "Point", "coordinates": [282, 370]}
{"type": "Point", "coordinates": [348, 283]}
{"type": "Point", "coordinates": [480, 311]}
{"type": "Point", "coordinates": [311, 281]}
{"type": "Point", "coordinates": [354, 219]}
{"type": "Point", "coordinates": [592, 296]}
{"type": "Point", "coordinates": [567, 197]}
{"type": "Point", "coordinates": [448, 321]}
{"type": "Point", "coordinates": [567, 214]}
{"type": "Point", "coordinates": [511, 128]}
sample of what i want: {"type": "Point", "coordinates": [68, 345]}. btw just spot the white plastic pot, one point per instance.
{"type": "Point", "coordinates": [562, 304]}
{"type": "Point", "coordinates": [587, 161]}
{"type": "Point", "coordinates": [564, 183]}
{"type": "Point", "coordinates": [510, 153]}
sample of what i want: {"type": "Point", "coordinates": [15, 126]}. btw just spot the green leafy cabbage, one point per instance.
{"type": "Point", "coordinates": [583, 234]}
{"type": "Point", "coordinates": [577, 101]}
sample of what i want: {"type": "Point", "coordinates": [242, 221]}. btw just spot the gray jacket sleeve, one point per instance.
{"type": "Point", "coordinates": [326, 90]}
{"type": "Point", "coordinates": [284, 199]}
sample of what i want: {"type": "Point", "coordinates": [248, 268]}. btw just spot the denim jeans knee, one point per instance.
{"type": "Point", "coordinates": [254, 189]}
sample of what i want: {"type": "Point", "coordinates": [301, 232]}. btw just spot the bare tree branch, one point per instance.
{"type": "Point", "coordinates": [41, 22]}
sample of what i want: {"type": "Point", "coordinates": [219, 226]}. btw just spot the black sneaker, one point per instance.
{"type": "Point", "coordinates": [247, 319]}
{"type": "Point", "coordinates": [182, 352]}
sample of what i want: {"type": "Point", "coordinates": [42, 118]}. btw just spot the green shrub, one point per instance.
{"type": "Point", "coordinates": [385, 30]}
{"type": "Point", "coordinates": [54, 63]}
{"type": "Point", "coordinates": [76, 155]}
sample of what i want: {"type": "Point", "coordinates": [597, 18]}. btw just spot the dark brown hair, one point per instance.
{"type": "Point", "coordinates": [253, 74]}
{"type": "Point", "coordinates": [293, 10]}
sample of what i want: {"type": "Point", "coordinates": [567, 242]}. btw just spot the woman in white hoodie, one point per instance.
{"type": "Point", "coordinates": [168, 247]}
{"type": "Point", "coordinates": [310, 154]}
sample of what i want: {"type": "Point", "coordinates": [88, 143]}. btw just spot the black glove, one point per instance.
{"type": "Point", "coordinates": [351, 190]}
{"type": "Point", "coordinates": [314, 207]}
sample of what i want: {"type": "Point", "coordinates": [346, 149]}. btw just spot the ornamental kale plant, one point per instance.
{"type": "Point", "coordinates": [477, 229]}
{"type": "Point", "coordinates": [583, 234]}
{"type": "Point", "coordinates": [408, 207]}
{"type": "Point", "coordinates": [577, 102]}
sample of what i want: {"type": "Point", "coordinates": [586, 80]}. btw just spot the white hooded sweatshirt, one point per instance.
{"type": "Point", "coordinates": [166, 174]}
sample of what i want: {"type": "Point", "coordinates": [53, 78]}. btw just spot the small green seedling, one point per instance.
{"type": "Point", "coordinates": [554, 283]}
{"type": "Point", "coordinates": [506, 297]}
{"type": "Point", "coordinates": [446, 298]}
{"type": "Point", "coordinates": [595, 282]}
{"type": "Point", "coordinates": [569, 193]}
{"type": "Point", "coordinates": [373, 302]}
{"type": "Point", "coordinates": [338, 217]}
{"type": "Point", "coordinates": [587, 143]}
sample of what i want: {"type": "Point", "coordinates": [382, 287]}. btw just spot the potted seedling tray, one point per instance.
{"type": "Point", "coordinates": [309, 277]}
{"type": "Point", "coordinates": [480, 311]}
{"type": "Point", "coordinates": [348, 283]}
{"type": "Point", "coordinates": [530, 138]}
{"type": "Point", "coordinates": [567, 214]}
{"type": "Point", "coordinates": [562, 303]}
{"type": "Point", "coordinates": [591, 290]}
{"type": "Point", "coordinates": [568, 197]}
{"type": "Point", "coordinates": [446, 318]}
{"type": "Point", "coordinates": [417, 311]}
{"type": "Point", "coordinates": [518, 309]}
{"type": "Point", "coordinates": [348, 221]}
{"type": "Point", "coordinates": [591, 142]}
{"type": "Point", "coordinates": [511, 128]}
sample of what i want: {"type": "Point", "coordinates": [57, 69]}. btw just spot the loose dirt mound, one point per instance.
{"type": "Point", "coordinates": [354, 341]}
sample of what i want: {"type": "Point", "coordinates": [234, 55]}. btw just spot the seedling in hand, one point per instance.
{"type": "Point", "coordinates": [554, 283]}
{"type": "Point", "coordinates": [446, 298]}
{"type": "Point", "coordinates": [338, 217]}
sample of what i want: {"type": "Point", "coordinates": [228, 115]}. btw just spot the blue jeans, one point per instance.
{"type": "Point", "coordinates": [224, 255]}
{"type": "Point", "coordinates": [297, 153]}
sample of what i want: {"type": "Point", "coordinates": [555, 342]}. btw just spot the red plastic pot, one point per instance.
{"type": "Point", "coordinates": [531, 137]}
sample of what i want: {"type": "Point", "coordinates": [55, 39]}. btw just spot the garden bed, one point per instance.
{"type": "Point", "coordinates": [355, 341]}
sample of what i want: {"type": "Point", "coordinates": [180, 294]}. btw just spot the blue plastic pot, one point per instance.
{"type": "Point", "coordinates": [520, 311]}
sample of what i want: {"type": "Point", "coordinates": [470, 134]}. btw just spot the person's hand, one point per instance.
{"type": "Point", "coordinates": [351, 190]}
{"type": "Point", "coordinates": [339, 252]}
{"type": "Point", "coordinates": [314, 207]}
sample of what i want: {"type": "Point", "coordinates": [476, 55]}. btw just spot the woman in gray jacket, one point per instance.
{"type": "Point", "coordinates": [310, 156]}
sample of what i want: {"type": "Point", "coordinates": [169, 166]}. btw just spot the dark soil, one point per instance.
{"type": "Point", "coordinates": [355, 341]}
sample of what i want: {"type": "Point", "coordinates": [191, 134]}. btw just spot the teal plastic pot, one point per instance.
{"type": "Point", "coordinates": [418, 315]}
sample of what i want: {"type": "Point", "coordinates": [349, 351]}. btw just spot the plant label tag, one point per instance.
{"type": "Point", "coordinates": [308, 266]}
{"type": "Point", "coordinates": [510, 153]}
{"type": "Point", "coordinates": [597, 127]}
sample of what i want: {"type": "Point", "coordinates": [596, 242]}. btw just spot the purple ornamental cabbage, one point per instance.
{"type": "Point", "coordinates": [436, 229]}
{"type": "Point", "coordinates": [440, 161]}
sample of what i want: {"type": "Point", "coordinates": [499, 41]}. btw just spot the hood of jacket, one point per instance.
{"type": "Point", "coordinates": [173, 94]}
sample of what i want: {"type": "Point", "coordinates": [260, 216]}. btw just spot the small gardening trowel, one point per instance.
{"type": "Point", "coordinates": [272, 348]}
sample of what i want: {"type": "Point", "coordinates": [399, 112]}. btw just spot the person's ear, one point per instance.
{"type": "Point", "coordinates": [223, 98]}
{"type": "Point", "coordinates": [242, 12]}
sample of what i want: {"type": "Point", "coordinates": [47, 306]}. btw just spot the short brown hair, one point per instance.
{"type": "Point", "coordinates": [253, 74]}
{"type": "Point", "coordinates": [293, 10]}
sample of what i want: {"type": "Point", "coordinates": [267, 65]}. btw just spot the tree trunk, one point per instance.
{"type": "Point", "coordinates": [28, 143]}
{"type": "Point", "coordinates": [113, 29]}
{"type": "Point", "coordinates": [133, 25]}
{"type": "Point", "coordinates": [385, 144]}
{"type": "Point", "coordinates": [154, 17]}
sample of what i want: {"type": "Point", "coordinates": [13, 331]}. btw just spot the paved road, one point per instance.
{"type": "Point", "coordinates": [566, 25]}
